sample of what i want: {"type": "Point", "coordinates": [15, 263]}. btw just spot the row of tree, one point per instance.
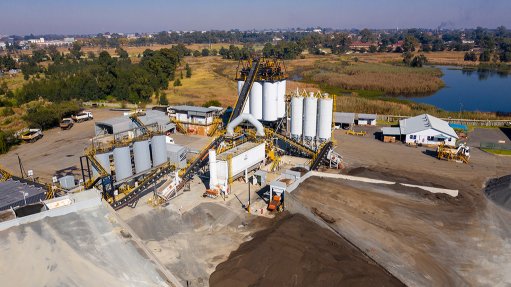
{"type": "Point", "coordinates": [104, 77]}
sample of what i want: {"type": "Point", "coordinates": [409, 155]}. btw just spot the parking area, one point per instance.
{"type": "Point", "coordinates": [489, 135]}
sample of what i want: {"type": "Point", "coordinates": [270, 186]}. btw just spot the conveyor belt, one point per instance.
{"type": "Point", "coordinates": [240, 103]}
{"type": "Point", "coordinates": [321, 155]}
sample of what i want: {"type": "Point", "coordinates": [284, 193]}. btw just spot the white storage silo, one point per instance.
{"type": "Point", "coordinates": [159, 149]}
{"type": "Point", "coordinates": [256, 100]}
{"type": "Point", "coordinates": [246, 109]}
{"type": "Point", "coordinates": [104, 160]}
{"type": "Point", "coordinates": [325, 107]}
{"type": "Point", "coordinates": [310, 110]}
{"type": "Point", "coordinates": [296, 117]}
{"type": "Point", "coordinates": [141, 156]}
{"type": "Point", "coordinates": [281, 99]}
{"type": "Point", "coordinates": [122, 163]}
{"type": "Point", "coordinates": [270, 91]}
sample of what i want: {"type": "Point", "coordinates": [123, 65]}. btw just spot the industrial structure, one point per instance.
{"type": "Point", "coordinates": [131, 160]}
{"type": "Point", "coordinates": [195, 120]}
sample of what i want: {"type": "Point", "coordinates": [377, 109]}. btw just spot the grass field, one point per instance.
{"type": "Point", "coordinates": [497, 151]}
{"type": "Point", "coordinates": [454, 58]}
{"type": "Point", "coordinates": [346, 74]}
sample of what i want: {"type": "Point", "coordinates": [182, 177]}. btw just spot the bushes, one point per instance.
{"type": "Point", "coordinates": [213, 103]}
{"type": "Point", "coordinates": [48, 116]}
{"type": "Point", "coordinates": [7, 140]}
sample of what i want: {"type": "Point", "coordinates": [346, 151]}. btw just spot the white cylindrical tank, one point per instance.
{"type": "Point", "coordinates": [270, 97]}
{"type": "Point", "coordinates": [246, 109]}
{"type": "Point", "coordinates": [122, 163]}
{"type": "Point", "coordinates": [104, 161]}
{"type": "Point", "coordinates": [159, 149]}
{"type": "Point", "coordinates": [256, 100]}
{"type": "Point", "coordinates": [325, 108]}
{"type": "Point", "coordinates": [310, 110]}
{"type": "Point", "coordinates": [296, 116]}
{"type": "Point", "coordinates": [281, 99]}
{"type": "Point", "coordinates": [213, 176]}
{"type": "Point", "coordinates": [141, 156]}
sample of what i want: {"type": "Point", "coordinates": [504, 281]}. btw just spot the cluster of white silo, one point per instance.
{"type": "Point", "coordinates": [311, 117]}
{"type": "Point", "coordinates": [266, 100]}
{"type": "Point", "coordinates": [143, 151]}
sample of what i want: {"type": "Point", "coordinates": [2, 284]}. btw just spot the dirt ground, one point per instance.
{"type": "Point", "coordinates": [294, 251]}
{"type": "Point", "coordinates": [192, 235]}
{"type": "Point", "coordinates": [58, 152]}
{"type": "Point", "coordinates": [422, 239]}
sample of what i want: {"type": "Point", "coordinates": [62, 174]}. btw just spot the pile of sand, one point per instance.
{"type": "Point", "coordinates": [499, 191]}
{"type": "Point", "coordinates": [298, 252]}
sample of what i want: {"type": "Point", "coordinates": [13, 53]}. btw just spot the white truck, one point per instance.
{"type": "Point", "coordinates": [82, 116]}
{"type": "Point", "coordinates": [30, 135]}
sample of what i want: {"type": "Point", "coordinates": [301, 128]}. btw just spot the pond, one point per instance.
{"type": "Point", "coordinates": [471, 90]}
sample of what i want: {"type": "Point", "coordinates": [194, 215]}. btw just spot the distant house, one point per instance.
{"type": "Point", "coordinates": [423, 129]}
{"type": "Point", "coordinates": [344, 120]}
{"type": "Point", "coordinates": [366, 119]}
{"type": "Point", "coordinates": [358, 45]}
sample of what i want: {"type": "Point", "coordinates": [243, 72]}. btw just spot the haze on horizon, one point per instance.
{"type": "Point", "coordinates": [23, 17]}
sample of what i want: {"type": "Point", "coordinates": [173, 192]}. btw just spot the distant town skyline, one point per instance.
{"type": "Point", "coordinates": [25, 17]}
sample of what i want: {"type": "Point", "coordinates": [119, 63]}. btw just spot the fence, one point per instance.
{"type": "Point", "coordinates": [495, 146]}
{"type": "Point", "coordinates": [467, 122]}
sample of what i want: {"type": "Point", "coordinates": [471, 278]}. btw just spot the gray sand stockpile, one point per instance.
{"type": "Point", "coordinates": [498, 190]}
{"type": "Point", "coordinates": [298, 252]}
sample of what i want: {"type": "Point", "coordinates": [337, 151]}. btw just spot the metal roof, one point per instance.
{"type": "Point", "coordinates": [237, 150]}
{"type": "Point", "coordinates": [278, 183]}
{"type": "Point", "coordinates": [425, 122]}
{"type": "Point", "coordinates": [175, 148]}
{"type": "Point", "coordinates": [392, 131]}
{"type": "Point", "coordinates": [184, 108]}
{"type": "Point", "coordinates": [367, 116]}
{"type": "Point", "coordinates": [344, 118]}
{"type": "Point", "coordinates": [12, 190]}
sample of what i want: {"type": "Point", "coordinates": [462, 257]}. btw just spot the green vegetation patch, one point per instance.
{"type": "Point", "coordinates": [497, 151]}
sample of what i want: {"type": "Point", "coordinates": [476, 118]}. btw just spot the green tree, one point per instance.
{"type": "Point", "coordinates": [188, 71]}
{"type": "Point", "coordinates": [213, 103]}
{"type": "Point", "coordinates": [366, 36]}
{"type": "Point", "coordinates": [470, 56]}
{"type": "Point", "coordinates": [485, 56]}
{"type": "Point", "coordinates": [163, 100]}
{"type": "Point", "coordinates": [409, 43]}
{"type": "Point", "coordinates": [177, 83]}
{"type": "Point", "coordinates": [373, 49]}
{"type": "Point", "coordinates": [419, 61]}
{"type": "Point", "coordinates": [196, 53]}
{"type": "Point", "coordinates": [76, 51]}
{"type": "Point", "coordinates": [122, 53]}
{"type": "Point", "coordinates": [205, 52]}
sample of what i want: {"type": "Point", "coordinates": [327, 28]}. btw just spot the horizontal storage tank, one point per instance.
{"type": "Point", "coordinates": [281, 99]}
{"type": "Point", "coordinates": [141, 156]}
{"type": "Point", "coordinates": [246, 109]}
{"type": "Point", "coordinates": [159, 149]}
{"type": "Point", "coordinates": [310, 110]}
{"type": "Point", "coordinates": [244, 157]}
{"type": "Point", "coordinates": [296, 116]}
{"type": "Point", "coordinates": [104, 161]}
{"type": "Point", "coordinates": [270, 97]}
{"type": "Point", "coordinates": [325, 107]}
{"type": "Point", "coordinates": [256, 100]}
{"type": "Point", "coordinates": [122, 162]}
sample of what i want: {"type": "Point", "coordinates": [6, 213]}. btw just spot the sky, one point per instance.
{"type": "Point", "coordinates": [23, 17]}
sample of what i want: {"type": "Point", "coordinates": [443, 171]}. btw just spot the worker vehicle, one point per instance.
{"type": "Point", "coordinates": [66, 123]}
{"type": "Point", "coordinates": [459, 154]}
{"type": "Point", "coordinates": [82, 116]}
{"type": "Point", "coordinates": [274, 203]}
{"type": "Point", "coordinates": [31, 135]}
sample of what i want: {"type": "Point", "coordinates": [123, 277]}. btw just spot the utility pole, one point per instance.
{"type": "Point", "coordinates": [248, 207]}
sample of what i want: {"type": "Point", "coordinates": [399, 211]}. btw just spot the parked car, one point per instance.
{"type": "Point", "coordinates": [82, 116]}
{"type": "Point", "coordinates": [66, 123]}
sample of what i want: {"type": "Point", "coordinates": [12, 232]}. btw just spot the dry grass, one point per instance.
{"type": "Point", "coordinates": [356, 104]}
{"type": "Point", "coordinates": [14, 82]}
{"type": "Point", "coordinates": [210, 81]}
{"type": "Point", "coordinates": [13, 122]}
{"type": "Point", "coordinates": [454, 58]}
{"type": "Point", "coordinates": [382, 77]}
